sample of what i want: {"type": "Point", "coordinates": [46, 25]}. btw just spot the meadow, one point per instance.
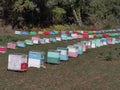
{"type": "Point", "coordinates": [96, 69]}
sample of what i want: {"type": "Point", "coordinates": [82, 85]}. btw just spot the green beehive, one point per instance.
{"type": "Point", "coordinates": [56, 32]}
{"type": "Point", "coordinates": [28, 42]}
{"type": "Point", "coordinates": [53, 56]}
{"type": "Point", "coordinates": [33, 33]}
{"type": "Point", "coordinates": [99, 36]}
{"type": "Point", "coordinates": [108, 30]}
{"type": "Point", "coordinates": [90, 32]}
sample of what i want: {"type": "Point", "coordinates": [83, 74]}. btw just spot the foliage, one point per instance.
{"type": "Point", "coordinates": [59, 27]}
{"type": "Point", "coordinates": [45, 13]}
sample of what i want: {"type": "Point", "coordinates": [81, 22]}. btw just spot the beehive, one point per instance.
{"type": "Point", "coordinates": [80, 48]}
{"type": "Point", "coordinates": [18, 32]}
{"type": "Point", "coordinates": [58, 39]}
{"type": "Point", "coordinates": [72, 51]}
{"type": "Point", "coordinates": [17, 62]}
{"type": "Point", "coordinates": [21, 44]}
{"type": "Point", "coordinates": [42, 41]}
{"type": "Point", "coordinates": [74, 36]}
{"type": "Point", "coordinates": [24, 33]}
{"type": "Point", "coordinates": [47, 40]}
{"type": "Point", "coordinates": [28, 42]}
{"type": "Point", "coordinates": [64, 37]}
{"type": "Point", "coordinates": [35, 39]}
{"type": "Point", "coordinates": [3, 49]}
{"type": "Point", "coordinates": [63, 53]}
{"type": "Point", "coordinates": [53, 40]}
{"type": "Point", "coordinates": [36, 59]}
{"type": "Point", "coordinates": [11, 45]}
{"type": "Point", "coordinates": [33, 33]}
{"type": "Point", "coordinates": [53, 56]}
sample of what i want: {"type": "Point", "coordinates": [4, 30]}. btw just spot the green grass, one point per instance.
{"type": "Point", "coordinates": [89, 71]}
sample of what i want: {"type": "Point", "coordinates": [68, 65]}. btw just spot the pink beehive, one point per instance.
{"type": "Point", "coordinates": [110, 41]}
{"type": "Point", "coordinates": [11, 45]}
{"type": "Point", "coordinates": [79, 36]}
{"type": "Point", "coordinates": [74, 36]}
{"type": "Point", "coordinates": [72, 51]}
{"type": "Point", "coordinates": [35, 39]}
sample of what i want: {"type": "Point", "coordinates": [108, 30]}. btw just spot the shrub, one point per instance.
{"type": "Point", "coordinates": [59, 27]}
{"type": "Point", "coordinates": [108, 58]}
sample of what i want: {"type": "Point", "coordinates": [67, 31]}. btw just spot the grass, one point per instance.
{"type": "Point", "coordinates": [89, 71]}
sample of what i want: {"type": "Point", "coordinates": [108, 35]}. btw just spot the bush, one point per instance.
{"type": "Point", "coordinates": [59, 27]}
{"type": "Point", "coordinates": [108, 58]}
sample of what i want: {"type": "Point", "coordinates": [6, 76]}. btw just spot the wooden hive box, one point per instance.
{"type": "Point", "coordinates": [17, 62]}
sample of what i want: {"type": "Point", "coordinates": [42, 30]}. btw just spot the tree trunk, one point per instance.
{"type": "Point", "coordinates": [79, 22]}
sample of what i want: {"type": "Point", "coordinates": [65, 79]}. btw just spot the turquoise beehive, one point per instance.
{"type": "Point", "coordinates": [53, 40]}
{"type": "Point", "coordinates": [64, 37]}
{"type": "Point", "coordinates": [98, 42]}
{"type": "Point", "coordinates": [53, 56]}
{"type": "Point", "coordinates": [28, 42]}
{"type": "Point", "coordinates": [20, 44]}
{"type": "Point", "coordinates": [69, 38]}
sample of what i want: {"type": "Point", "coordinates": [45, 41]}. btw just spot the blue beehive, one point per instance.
{"type": "Point", "coordinates": [53, 40]}
{"type": "Point", "coordinates": [63, 32]}
{"type": "Point", "coordinates": [71, 32]}
{"type": "Point", "coordinates": [20, 44]}
{"type": "Point", "coordinates": [80, 48]}
{"type": "Point", "coordinates": [104, 41]}
{"type": "Point", "coordinates": [64, 37]}
{"type": "Point", "coordinates": [63, 53]}
{"type": "Point", "coordinates": [52, 33]}
{"type": "Point", "coordinates": [36, 59]}
{"type": "Point", "coordinates": [69, 38]}
{"type": "Point", "coordinates": [42, 41]}
{"type": "Point", "coordinates": [118, 29]}
{"type": "Point", "coordinates": [25, 33]}
{"type": "Point", "coordinates": [53, 56]}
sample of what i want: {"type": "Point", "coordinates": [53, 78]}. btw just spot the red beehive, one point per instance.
{"type": "Point", "coordinates": [85, 35]}
{"type": "Point", "coordinates": [76, 32]}
{"type": "Point", "coordinates": [105, 35]}
{"type": "Point", "coordinates": [47, 33]}
{"type": "Point", "coordinates": [67, 32]}
{"type": "Point", "coordinates": [3, 49]}
{"type": "Point", "coordinates": [60, 33]}
{"type": "Point", "coordinates": [95, 36]}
